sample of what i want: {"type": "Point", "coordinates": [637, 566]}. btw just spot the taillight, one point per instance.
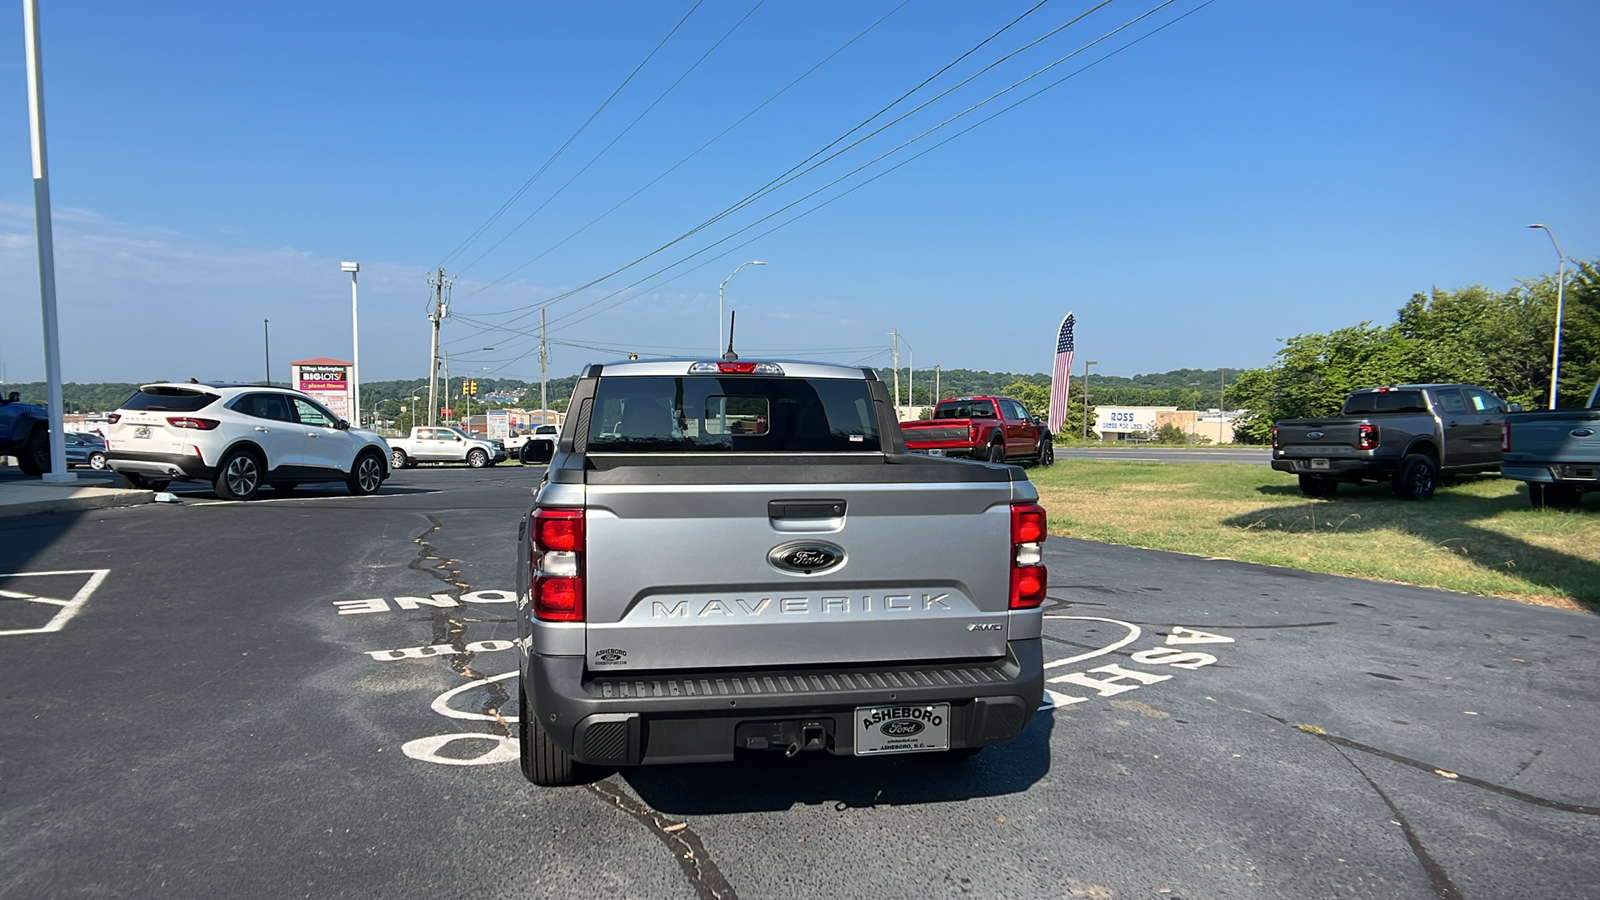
{"type": "Point", "coordinates": [1274, 437]}
{"type": "Point", "coordinates": [972, 433]}
{"type": "Point", "coordinates": [555, 554]}
{"type": "Point", "coordinates": [191, 422]}
{"type": "Point", "coordinates": [114, 418]}
{"type": "Point", "coordinates": [1368, 438]}
{"type": "Point", "coordinates": [1505, 437]}
{"type": "Point", "coordinates": [1029, 576]}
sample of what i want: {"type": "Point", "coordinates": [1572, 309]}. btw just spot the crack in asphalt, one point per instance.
{"type": "Point", "coordinates": [703, 874]}
{"type": "Point", "coordinates": [450, 625]}
{"type": "Point", "coordinates": [1443, 887]}
{"type": "Point", "coordinates": [1513, 793]}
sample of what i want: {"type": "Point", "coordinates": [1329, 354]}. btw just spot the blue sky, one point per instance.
{"type": "Point", "coordinates": [1255, 171]}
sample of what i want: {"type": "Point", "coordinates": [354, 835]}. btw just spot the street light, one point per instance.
{"type": "Point", "coordinates": [1561, 287]}
{"type": "Point", "coordinates": [753, 262]}
{"type": "Point", "coordinates": [355, 341]}
{"type": "Point", "coordinates": [1086, 364]}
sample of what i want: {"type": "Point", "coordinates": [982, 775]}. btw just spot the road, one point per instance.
{"type": "Point", "coordinates": [1151, 453]}
{"type": "Point", "coordinates": [236, 703]}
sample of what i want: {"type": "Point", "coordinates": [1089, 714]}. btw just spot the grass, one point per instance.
{"type": "Point", "coordinates": [1479, 536]}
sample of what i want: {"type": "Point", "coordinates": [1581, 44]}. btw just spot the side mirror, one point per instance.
{"type": "Point", "coordinates": [537, 452]}
{"type": "Point", "coordinates": [341, 424]}
{"type": "Point", "coordinates": [13, 397]}
{"type": "Point", "coordinates": [1516, 407]}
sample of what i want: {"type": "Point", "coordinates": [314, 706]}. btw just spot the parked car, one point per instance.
{"type": "Point", "coordinates": [996, 429]}
{"type": "Point", "coordinates": [1556, 451]}
{"type": "Point", "coordinates": [733, 555]}
{"type": "Point", "coordinates": [430, 443]}
{"type": "Point", "coordinates": [85, 449]}
{"type": "Point", "coordinates": [537, 447]}
{"type": "Point", "coordinates": [1405, 434]}
{"type": "Point", "coordinates": [239, 437]}
{"type": "Point", "coordinates": [25, 434]}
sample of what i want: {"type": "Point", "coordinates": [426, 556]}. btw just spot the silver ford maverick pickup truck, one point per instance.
{"type": "Point", "coordinates": [737, 555]}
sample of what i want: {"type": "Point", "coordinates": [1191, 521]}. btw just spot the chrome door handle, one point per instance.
{"type": "Point", "coordinates": [312, 434]}
{"type": "Point", "coordinates": [261, 428]}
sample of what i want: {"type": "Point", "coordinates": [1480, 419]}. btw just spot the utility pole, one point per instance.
{"type": "Point", "coordinates": [447, 382]}
{"type": "Point", "coordinates": [544, 359]}
{"type": "Point", "coordinates": [438, 283]}
{"type": "Point", "coordinates": [1222, 394]}
{"type": "Point", "coordinates": [937, 393]}
{"type": "Point", "coordinates": [266, 339]}
{"type": "Point", "coordinates": [896, 356]}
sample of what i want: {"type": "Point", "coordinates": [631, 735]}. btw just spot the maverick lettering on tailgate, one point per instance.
{"type": "Point", "coordinates": [683, 609]}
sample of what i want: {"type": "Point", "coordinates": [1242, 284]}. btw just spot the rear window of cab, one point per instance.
{"type": "Point", "coordinates": [703, 413]}
{"type": "Point", "coordinates": [165, 399]}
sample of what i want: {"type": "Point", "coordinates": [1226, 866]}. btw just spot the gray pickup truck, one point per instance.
{"type": "Point", "coordinates": [1556, 451]}
{"type": "Point", "coordinates": [736, 555]}
{"type": "Point", "coordinates": [1407, 435]}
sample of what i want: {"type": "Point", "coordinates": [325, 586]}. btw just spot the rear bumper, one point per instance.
{"type": "Point", "coordinates": [1338, 469]}
{"type": "Point", "coordinates": [647, 718]}
{"type": "Point", "coordinates": [161, 465]}
{"type": "Point", "coordinates": [1582, 475]}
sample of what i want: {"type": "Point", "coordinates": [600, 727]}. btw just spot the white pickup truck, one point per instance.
{"type": "Point", "coordinates": [443, 444]}
{"type": "Point", "coordinates": [544, 436]}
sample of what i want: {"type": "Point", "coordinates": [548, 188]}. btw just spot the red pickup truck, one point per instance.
{"type": "Point", "coordinates": [996, 429]}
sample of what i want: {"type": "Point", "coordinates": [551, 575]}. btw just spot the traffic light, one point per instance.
{"type": "Point", "coordinates": [472, 388]}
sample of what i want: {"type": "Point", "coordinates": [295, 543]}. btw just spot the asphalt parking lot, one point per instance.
{"type": "Point", "coordinates": [302, 698]}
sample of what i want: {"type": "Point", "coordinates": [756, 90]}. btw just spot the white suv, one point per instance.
{"type": "Point", "coordinates": [239, 437]}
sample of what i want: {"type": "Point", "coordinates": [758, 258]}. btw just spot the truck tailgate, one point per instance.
{"type": "Point", "coordinates": [696, 567]}
{"type": "Point", "coordinates": [1333, 438]}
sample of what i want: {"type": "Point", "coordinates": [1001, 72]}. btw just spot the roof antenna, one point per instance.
{"type": "Point", "coordinates": [733, 316]}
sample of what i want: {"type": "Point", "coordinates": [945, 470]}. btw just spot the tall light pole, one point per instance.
{"type": "Point", "coordinates": [1561, 288]}
{"type": "Point", "coordinates": [753, 262]}
{"type": "Point", "coordinates": [1222, 392]}
{"type": "Point", "coordinates": [58, 473]}
{"type": "Point", "coordinates": [1086, 364]}
{"type": "Point", "coordinates": [355, 341]}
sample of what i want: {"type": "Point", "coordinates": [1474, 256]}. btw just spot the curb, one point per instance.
{"type": "Point", "coordinates": [74, 504]}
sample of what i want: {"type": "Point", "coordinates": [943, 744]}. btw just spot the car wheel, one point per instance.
{"type": "Point", "coordinates": [543, 763]}
{"type": "Point", "coordinates": [1317, 486]}
{"type": "Point", "coordinates": [997, 452]}
{"type": "Point", "coordinates": [35, 456]}
{"type": "Point", "coordinates": [477, 459]}
{"type": "Point", "coordinates": [239, 476]}
{"type": "Point", "coordinates": [367, 475]}
{"type": "Point", "coordinates": [398, 460]}
{"type": "Point", "coordinates": [97, 461]}
{"type": "Point", "coordinates": [1417, 478]}
{"type": "Point", "coordinates": [1047, 453]}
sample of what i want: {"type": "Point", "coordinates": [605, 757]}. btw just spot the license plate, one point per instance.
{"type": "Point", "coordinates": [143, 431]}
{"type": "Point", "coordinates": [1319, 464]}
{"type": "Point", "coordinates": [902, 729]}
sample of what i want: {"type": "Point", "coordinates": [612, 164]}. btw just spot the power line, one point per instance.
{"type": "Point", "coordinates": [460, 248]}
{"type": "Point", "coordinates": [696, 152]}
{"type": "Point", "coordinates": [620, 135]}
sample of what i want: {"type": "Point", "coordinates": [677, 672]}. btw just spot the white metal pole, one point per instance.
{"type": "Point", "coordinates": [58, 473]}
{"type": "Point", "coordinates": [355, 356]}
{"type": "Point", "coordinates": [1561, 289]}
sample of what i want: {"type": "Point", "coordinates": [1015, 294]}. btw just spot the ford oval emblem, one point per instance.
{"type": "Point", "coordinates": [1582, 432]}
{"type": "Point", "coordinates": [806, 557]}
{"type": "Point", "coordinates": [902, 727]}
{"type": "Point", "coordinates": [1314, 435]}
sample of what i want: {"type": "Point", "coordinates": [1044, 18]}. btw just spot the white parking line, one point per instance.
{"type": "Point", "coordinates": [67, 608]}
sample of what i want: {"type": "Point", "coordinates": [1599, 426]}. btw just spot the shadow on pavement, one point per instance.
{"type": "Point", "coordinates": [1447, 521]}
{"type": "Point", "coordinates": [769, 781]}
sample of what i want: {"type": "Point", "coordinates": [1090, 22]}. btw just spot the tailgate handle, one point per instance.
{"type": "Point", "coordinates": [805, 509]}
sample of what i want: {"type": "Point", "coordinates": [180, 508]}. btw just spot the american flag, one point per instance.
{"type": "Point", "coordinates": [1061, 375]}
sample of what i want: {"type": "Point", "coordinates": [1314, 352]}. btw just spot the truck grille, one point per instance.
{"type": "Point", "coordinates": [760, 684]}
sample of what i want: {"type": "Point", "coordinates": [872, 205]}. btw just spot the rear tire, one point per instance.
{"type": "Point", "coordinates": [239, 476]}
{"type": "Point", "coordinates": [997, 452]}
{"type": "Point", "coordinates": [1417, 478]}
{"type": "Point", "coordinates": [1047, 453]}
{"type": "Point", "coordinates": [398, 460]}
{"type": "Point", "coordinates": [543, 763]}
{"type": "Point", "coordinates": [34, 460]}
{"type": "Point", "coordinates": [1554, 496]}
{"type": "Point", "coordinates": [1317, 486]}
{"type": "Point", "coordinates": [366, 476]}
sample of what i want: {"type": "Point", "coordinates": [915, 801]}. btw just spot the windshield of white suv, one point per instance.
{"type": "Point", "coordinates": [702, 413]}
